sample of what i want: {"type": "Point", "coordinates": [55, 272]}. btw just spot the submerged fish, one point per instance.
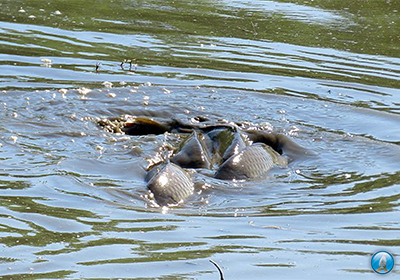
{"type": "Point", "coordinates": [144, 126]}
{"type": "Point", "coordinates": [169, 183]}
{"type": "Point", "coordinates": [280, 143]}
{"type": "Point", "coordinates": [252, 162]}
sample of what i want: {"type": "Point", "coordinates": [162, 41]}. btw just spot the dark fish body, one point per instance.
{"type": "Point", "coordinates": [195, 152]}
{"type": "Point", "coordinates": [227, 141]}
{"type": "Point", "coordinates": [237, 145]}
{"type": "Point", "coordinates": [221, 139]}
{"type": "Point", "coordinates": [170, 184]}
{"type": "Point", "coordinates": [144, 126]}
{"type": "Point", "coordinates": [252, 162]}
{"type": "Point", "coordinates": [224, 146]}
{"type": "Point", "coordinates": [280, 143]}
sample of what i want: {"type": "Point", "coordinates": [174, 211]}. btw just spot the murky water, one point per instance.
{"type": "Point", "coordinates": [73, 199]}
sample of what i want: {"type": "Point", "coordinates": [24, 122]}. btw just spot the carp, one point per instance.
{"type": "Point", "coordinates": [195, 152]}
{"type": "Point", "coordinates": [226, 141]}
{"type": "Point", "coordinates": [169, 183]}
{"type": "Point", "coordinates": [253, 162]}
{"type": "Point", "coordinates": [144, 126]}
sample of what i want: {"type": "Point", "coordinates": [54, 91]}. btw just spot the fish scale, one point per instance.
{"type": "Point", "coordinates": [252, 162]}
{"type": "Point", "coordinates": [170, 185]}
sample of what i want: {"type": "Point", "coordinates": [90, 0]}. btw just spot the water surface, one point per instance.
{"type": "Point", "coordinates": [73, 199]}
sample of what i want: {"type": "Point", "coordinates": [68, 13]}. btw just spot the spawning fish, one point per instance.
{"type": "Point", "coordinates": [252, 162]}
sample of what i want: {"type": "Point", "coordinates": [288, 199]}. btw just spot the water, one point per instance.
{"type": "Point", "coordinates": [73, 200]}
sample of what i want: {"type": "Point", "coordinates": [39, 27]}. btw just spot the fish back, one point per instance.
{"type": "Point", "coordinates": [251, 163]}
{"type": "Point", "coordinates": [170, 185]}
{"type": "Point", "coordinates": [194, 152]}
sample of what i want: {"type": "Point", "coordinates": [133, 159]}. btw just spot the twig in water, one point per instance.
{"type": "Point", "coordinates": [98, 66]}
{"type": "Point", "coordinates": [221, 275]}
{"type": "Point", "coordinates": [131, 64]}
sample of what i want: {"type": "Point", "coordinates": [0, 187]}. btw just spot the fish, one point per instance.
{"type": "Point", "coordinates": [237, 145]}
{"type": "Point", "coordinates": [226, 141]}
{"type": "Point", "coordinates": [169, 184]}
{"type": "Point", "coordinates": [145, 126]}
{"type": "Point", "coordinates": [253, 162]}
{"type": "Point", "coordinates": [195, 152]}
{"type": "Point", "coordinates": [279, 142]}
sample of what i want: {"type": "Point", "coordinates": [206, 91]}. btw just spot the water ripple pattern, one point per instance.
{"type": "Point", "coordinates": [73, 201]}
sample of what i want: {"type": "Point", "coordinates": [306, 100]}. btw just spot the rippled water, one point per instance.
{"type": "Point", "coordinates": [73, 198]}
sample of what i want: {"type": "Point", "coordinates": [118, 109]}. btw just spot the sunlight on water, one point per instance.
{"type": "Point", "coordinates": [294, 12]}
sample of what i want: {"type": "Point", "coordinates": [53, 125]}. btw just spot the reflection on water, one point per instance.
{"type": "Point", "coordinates": [73, 199]}
{"type": "Point", "coordinates": [292, 11]}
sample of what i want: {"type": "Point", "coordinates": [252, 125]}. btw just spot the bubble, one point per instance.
{"type": "Point", "coordinates": [84, 90]}
{"type": "Point", "coordinates": [46, 60]}
{"type": "Point", "coordinates": [107, 84]}
{"type": "Point", "coordinates": [14, 139]}
{"type": "Point", "coordinates": [63, 91]}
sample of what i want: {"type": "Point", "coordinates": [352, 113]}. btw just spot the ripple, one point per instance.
{"type": "Point", "coordinates": [73, 198]}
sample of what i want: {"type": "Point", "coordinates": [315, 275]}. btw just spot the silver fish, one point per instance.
{"type": "Point", "coordinates": [252, 162]}
{"type": "Point", "coordinates": [169, 184]}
